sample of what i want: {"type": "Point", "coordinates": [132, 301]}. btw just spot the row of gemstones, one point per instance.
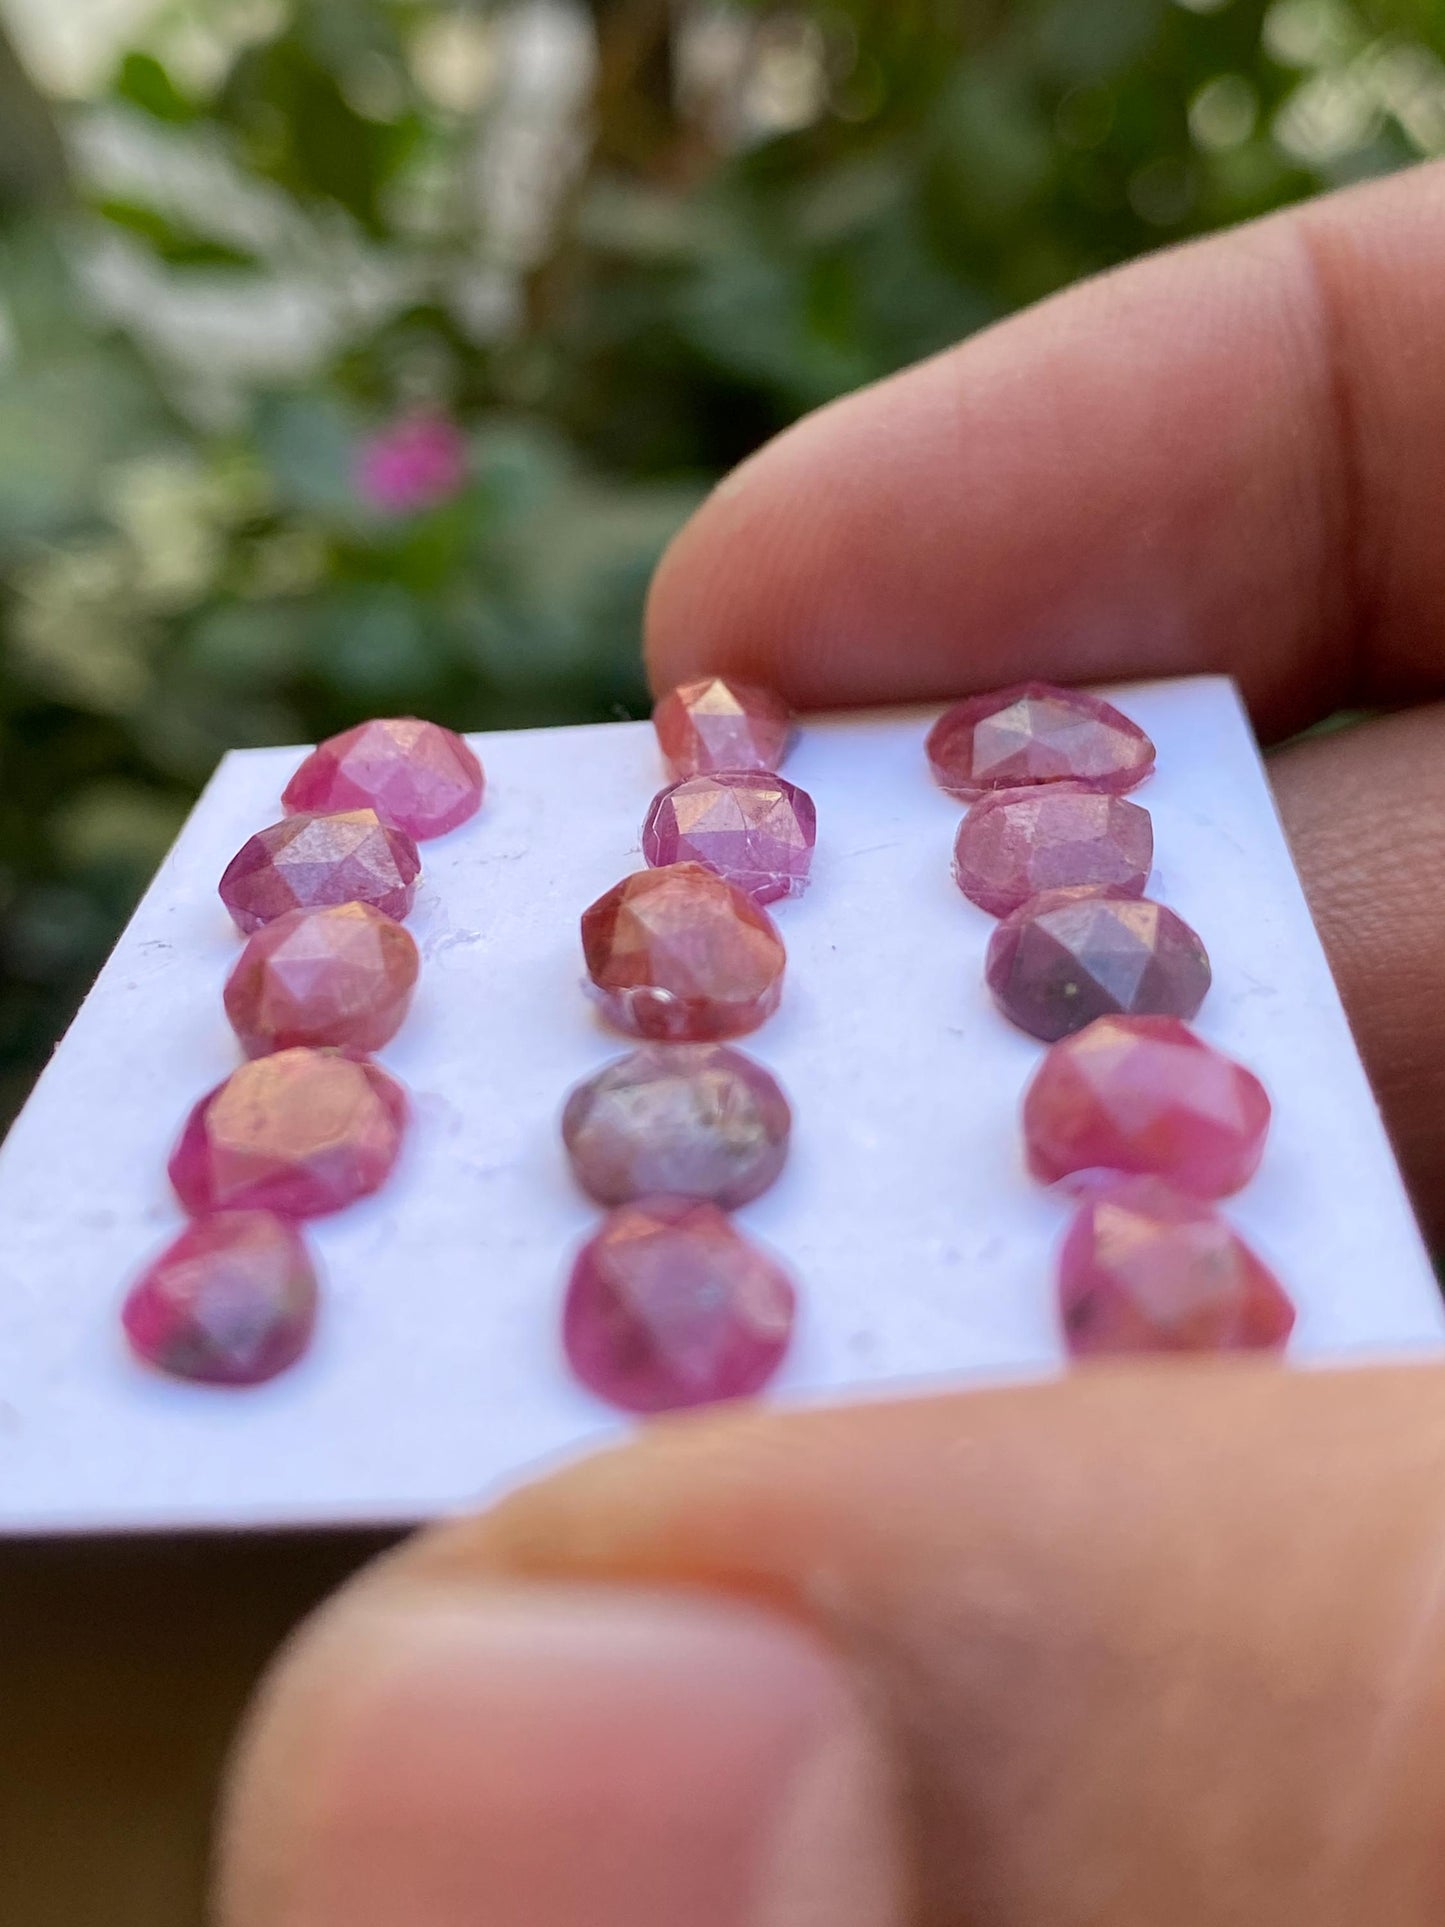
{"type": "Point", "coordinates": [668, 1304]}
{"type": "Point", "coordinates": [309, 1124]}
{"type": "Point", "coordinates": [1147, 1122]}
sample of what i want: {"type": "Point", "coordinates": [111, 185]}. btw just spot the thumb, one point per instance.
{"type": "Point", "coordinates": [1143, 1647]}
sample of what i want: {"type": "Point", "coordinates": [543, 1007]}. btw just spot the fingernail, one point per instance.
{"type": "Point", "coordinates": [564, 1758]}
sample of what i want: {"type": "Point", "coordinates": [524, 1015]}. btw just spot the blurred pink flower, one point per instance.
{"type": "Point", "coordinates": [416, 463]}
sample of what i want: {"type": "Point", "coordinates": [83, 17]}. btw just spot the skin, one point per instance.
{"type": "Point", "coordinates": [1150, 1645]}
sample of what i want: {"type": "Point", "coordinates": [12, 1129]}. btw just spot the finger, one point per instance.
{"type": "Point", "coordinates": [1164, 1646]}
{"type": "Point", "coordinates": [1227, 457]}
{"type": "Point", "coordinates": [1363, 808]}
{"type": "Point", "coordinates": [445, 1756]}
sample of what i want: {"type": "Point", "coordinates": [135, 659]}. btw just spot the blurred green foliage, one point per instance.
{"type": "Point", "coordinates": [618, 244]}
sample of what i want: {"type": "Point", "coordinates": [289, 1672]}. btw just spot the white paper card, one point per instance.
{"type": "Point", "coordinates": [922, 1250]}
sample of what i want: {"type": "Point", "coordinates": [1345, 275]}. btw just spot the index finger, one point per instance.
{"type": "Point", "coordinates": [1227, 457]}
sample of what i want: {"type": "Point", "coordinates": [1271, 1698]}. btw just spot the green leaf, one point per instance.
{"type": "Point", "coordinates": [146, 84]}
{"type": "Point", "coordinates": [371, 641]}
{"type": "Point", "coordinates": [61, 423]}
{"type": "Point", "coordinates": [308, 442]}
{"type": "Point", "coordinates": [170, 243]}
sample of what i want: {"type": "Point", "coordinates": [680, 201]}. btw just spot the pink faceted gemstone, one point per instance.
{"type": "Point", "coordinates": [1014, 844]}
{"type": "Point", "coordinates": [301, 1133]}
{"type": "Point", "coordinates": [755, 829]}
{"type": "Point", "coordinates": [694, 1120]}
{"type": "Point", "coordinates": [417, 776]}
{"type": "Point", "coordinates": [341, 975]}
{"type": "Point", "coordinates": [1069, 956]}
{"type": "Point", "coordinates": [231, 1302]}
{"type": "Point", "coordinates": [305, 861]}
{"type": "Point", "coordinates": [1036, 733]}
{"type": "Point", "coordinates": [1145, 1269]}
{"type": "Point", "coordinates": [718, 724]}
{"type": "Point", "coordinates": [670, 1305]}
{"type": "Point", "coordinates": [683, 955]}
{"type": "Point", "coordinates": [1144, 1094]}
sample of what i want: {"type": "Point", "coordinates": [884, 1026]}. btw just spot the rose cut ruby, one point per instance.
{"type": "Point", "coordinates": [754, 828]}
{"type": "Point", "coordinates": [1036, 733]}
{"type": "Point", "coordinates": [718, 723]}
{"type": "Point", "coordinates": [231, 1301]}
{"type": "Point", "coordinates": [1144, 1094]}
{"type": "Point", "coordinates": [1015, 844]}
{"type": "Point", "coordinates": [342, 975]}
{"type": "Point", "coordinates": [1146, 1269]}
{"type": "Point", "coordinates": [418, 777]}
{"type": "Point", "coordinates": [306, 861]}
{"type": "Point", "coordinates": [301, 1133]}
{"type": "Point", "coordinates": [1069, 956]}
{"type": "Point", "coordinates": [682, 955]}
{"type": "Point", "coordinates": [693, 1120]}
{"type": "Point", "coordinates": [670, 1306]}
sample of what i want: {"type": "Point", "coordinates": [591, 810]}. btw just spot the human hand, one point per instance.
{"type": "Point", "coordinates": [1141, 1647]}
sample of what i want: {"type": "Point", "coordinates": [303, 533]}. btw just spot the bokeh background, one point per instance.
{"type": "Point", "coordinates": [360, 356]}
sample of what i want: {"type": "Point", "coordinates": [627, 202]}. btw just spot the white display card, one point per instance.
{"type": "Point", "coordinates": [923, 1253]}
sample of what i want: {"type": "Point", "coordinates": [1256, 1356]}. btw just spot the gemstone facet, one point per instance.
{"type": "Point", "coordinates": [417, 776]}
{"type": "Point", "coordinates": [301, 1133]}
{"type": "Point", "coordinates": [1035, 733]}
{"type": "Point", "coordinates": [682, 955]}
{"type": "Point", "coordinates": [1069, 956]}
{"type": "Point", "coordinates": [1015, 844]}
{"type": "Point", "coordinates": [306, 861]}
{"type": "Point", "coordinates": [342, 975]}
{"type": "Point", "coordinates": [669, 1305]}
{"type": "Point", "coordinates": [755, 829]}
{"type": "Point", "coordinates": [693, 1120]}
{"type": "Point", "coordinates": [1144, 1094]}
{"type": "Point", "coordinates": [231, 1302]}
{"type": "Point", "coordinates": [1145, 1269]}
{"type": "Point", "coordinates": [714, 724]}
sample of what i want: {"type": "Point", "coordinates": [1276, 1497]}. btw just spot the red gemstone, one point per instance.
{"type": "Point", "coordinates": [1070, 956]}
{"type": "Point", "coordinates": [683, 955]}
{"type": "Point", "coordinates": [1015, 844]}
{"type": "Point", "coordinates": [694, 1120]}
{"type": "Point", "coordinates": [306, 861]}
{"type": "Point", "coordinates": [670, 1305]}
{"type": "Point", "coordinates": [755, 829]}
{"type": "Point", "coordinates": [303, 1132]}
{"type": "Point", "coordinates": [715, 724]}
{"type": "Point", "coordinates": [231, 1302]}
{"type": "Point", "coordinates": [1036, 733]}
{"type": "Point", "coordinates": [342, 975]}
{"type": "Point", "coordinates": [1145, 1269]}
{"type": "Point", "coordinates": [417, 776]}
{"type": "Point", "coordinates": [1145, 1094]}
